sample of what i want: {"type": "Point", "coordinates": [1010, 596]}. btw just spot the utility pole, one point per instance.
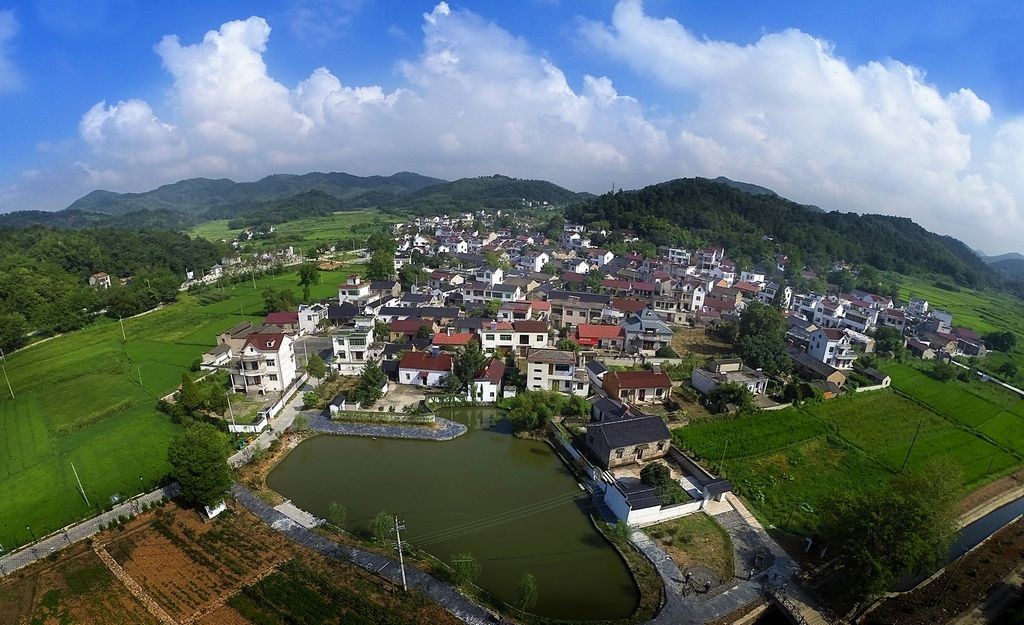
{"type": "Point", "coordinates": [4, 367]}
{"type": "Point", "coordinates": [123, 336]}
{"type": "Point", "coordinates": [401, 557]}
{"type": "Point", "coordinates": [253, 270]}
{"type": "Point", "coordinates": [907, 459]}
{"type": "Point", "coordinates": [139, 369]}
{"type": "Point", "coordinates": [80, 485]}
{"type": "Point", "coordinates": [231, 410]}
{"type": "Point", "coordinates": [724, 449]}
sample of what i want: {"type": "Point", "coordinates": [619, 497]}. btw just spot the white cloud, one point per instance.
{"type": "Point", "coordinates": [785, 111]}
{"type": "Point", "coordinates": [10, 78]}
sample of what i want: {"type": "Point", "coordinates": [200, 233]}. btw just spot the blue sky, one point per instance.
{"type": "Point", "coordinates": [907, 108]}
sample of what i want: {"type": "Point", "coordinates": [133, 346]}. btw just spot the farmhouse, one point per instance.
{"type": "Point", "coordinates": [813, 369]}
{"type": "Point", "coordinates": [487, 384]}
{"type": "Point", "coordinates": [100, 280]}
{"type": "Point", "coordinates": [600, 335]}
{"type": "Point", "coordinates": [555, 370]}
{"type": "Point", "coordinates": [646, 332]}
{"type": "Point", "coordinates": [633, 438]}
{"type": "Point", "coordinates": [424, 368]}
{"type": "Point", "coordinates": [732, 371]}
{"type": "Point", "coordinates": [637, 386]}
{"type": "Point", "coordinates": [266, 364]}
{"type": "Point", "coordinates": [832, 347]}
{"type": "Point", "coordinates": [287, 321]}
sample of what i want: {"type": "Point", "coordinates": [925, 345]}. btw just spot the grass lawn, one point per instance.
{"type": "Point", "coordinates": [949, 398]}
{"type": "Point", "coordinates": [349, 228]}
{"type": "Point", "coordinates": [883, 424]}
{"type": "Point", "coordinates": [696, 540]}
{"type": "Point", "coordinates": [89, 398]}
{"type": "Point", "coordinates": [787, 463]}
{"type": "Point", "coordinates": [982, 311]}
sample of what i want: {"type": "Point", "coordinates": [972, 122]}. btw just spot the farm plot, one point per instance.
{"type": "Point", "coordinates": [884, 426]}
{"type": "Point", "coordinates": [947, 398]}
{"type": "Point", "coordinates": [1007, 428]}
{"type": "Point", "coordinates": [186, 565]}
{"type": "Point", "coordinates": [89, 398]}
{"type": "Point", "coordinates": [738, 437]}
{"type": "Point", "coordinates": [787, 487]}
{"type": "Point", "coordinates": [76, 588]}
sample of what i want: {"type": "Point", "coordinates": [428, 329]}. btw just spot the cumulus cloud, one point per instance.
{"type": "Point", "coordinates": [10, 78]}
{"type": "Point", "coordinates": [785, 111]}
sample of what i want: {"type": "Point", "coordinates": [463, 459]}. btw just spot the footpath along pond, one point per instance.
{"type": "Point", "coordinates": [509, 502]}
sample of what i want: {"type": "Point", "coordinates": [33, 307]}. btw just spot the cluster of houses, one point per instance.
{"type": "Point", "coordinates": [522, 296]}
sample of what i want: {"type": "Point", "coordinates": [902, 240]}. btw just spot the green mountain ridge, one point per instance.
{"type": "Point", "coordinates": [755, 227]}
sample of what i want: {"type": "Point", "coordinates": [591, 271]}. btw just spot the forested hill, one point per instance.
{"type": "Point", "coordinates": [752, 227]}
{"type": "Point", "coordinates": [197, 196]}
{"type": "Point", "coordinates": [44, 274]}
{"type": "Point", "coordinates": [471, 194]}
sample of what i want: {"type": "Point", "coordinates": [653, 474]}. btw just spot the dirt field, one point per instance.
{"type": "Point", "coordinates": [991, 490]}
{"type": "Point", "coordinates": [697, 341]}
{"type": "Point", "coordinates": [696, 540]}
{"type": "Point", "coordinates": [232, 571]}
{"type": "Point", "coordinates": [75, 588]}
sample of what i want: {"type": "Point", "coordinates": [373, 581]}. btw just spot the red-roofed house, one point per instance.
{"type": "Point", "coordinates": [638, 387]}
{"type": "Point", "coordinates": [600, 335]}
{"type": "Point", "coordinates": [400, 328]}
{"type": "Point", "coordinates": [450, 338]}
{"type": "Point", "coordinates": [486, 386]}
{"type": "Point", "coordinates": [266, 364]}
{"type": "Point", "coordinates": [288, 321]}
{"type": "Point", "coordinates": [424, 368]}
{"type": "Point", "coordinates": [628, 306]}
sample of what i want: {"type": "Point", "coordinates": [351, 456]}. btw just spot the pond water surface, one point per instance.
{"type": "Point", "coordinates": [509, 502]}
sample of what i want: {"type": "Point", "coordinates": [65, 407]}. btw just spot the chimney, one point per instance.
{"type": "Point", "coordinates": [494, 325]}
{"type": "Point", "coordinates": [434, 351]}
{"type": "Point", "coordinates": [656, 367]}
{"type": "Point", "coordinates": [449, 330]}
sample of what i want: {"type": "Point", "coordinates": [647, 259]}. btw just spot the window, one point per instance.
{"type": "Point", "coordinates": [505, 337]}
{"type": "Point", "coordinates": [273, 378]}
{"type": "Point", "coordinates": [619, 452]}
{"type": "Point", "coordinates": [540, 337]}
{"type": "Point", "coordinates": [661, 446]}
{"type": "Point", "coordinates": [489, 337]}
{"type": "Point", "coordinates": [270, 362]}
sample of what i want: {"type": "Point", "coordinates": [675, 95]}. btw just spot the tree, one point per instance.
{"type": "Point", "coordinates": [451, 384]}
{"type": "Point", "coordinates": [905, 525]}
{"type": "Point", "coordinates": [843, 279]}
{"type": "Point", "coordinates": [593, 281]}
{"type": "Point", "coordinates": [761, 338]}
{"type": "Point", "coordinates": [568, 345]}
{"type": "Point", "coordinates": [274, 300]}
{"type": "Point", "coordinates": [198, 458]}
{"type": "Point", "coordinates": [381, 265]}
{"type": "Point", "coordinates": [659, 476]}
{"type": "Point", "coordinates": [371, 379]}
{"type": "Point", "coordinates": [336, 514]}
{"type": "Point", "coordinates": [469, 361]}
{"type": "Point", "coordinates": [410, 275]}
{"type": "Point", "coordinates": [945, 371]}
{"type": "Point", "coordinates": [731, 393]}
{"type": "Point", "coordinates": [465, 568]}
{"type": "Point", "coordinates": [888, 340]}
{"type": "Point", "coordinates": [497, 260]}
{"type": "Point", "coordinates": [316, 367]}
{"type": "Point", "coordinates": [189, 397]}
{"type": "Point", "coordinates": [12, 329]}
{"type": "Point", "coordinates": [381, 526]}
{"type": "Point", "coordinates": [1000, 341]}
{"type": "Point", "coordinates": [381, 241]}
{"type": "Point", "coordinates": [423, 332]}
{"type": "Point", "coordinates": [526, 592]}
{"type": "Point", "coordinates": [550, 269]}
{"type": "Point", "coordinates": [308, 276]}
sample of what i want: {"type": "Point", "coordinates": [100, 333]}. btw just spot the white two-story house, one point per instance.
{"type": "Point", "coordinates": [353, 345]}
{"type": "Point", "coordinates": [555, 370]}
{"type": "Point", "coordinates": [832, 347]}
{"type": "Point", "coordinates": [266, 364]}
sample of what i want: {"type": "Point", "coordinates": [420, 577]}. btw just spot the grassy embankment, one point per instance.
{"type": "Point", "coordinates": [79, 399]}
{"type": "Point", "coordinates": [350, 228]}
{"type": "Point", "coordinates": [787, 463]}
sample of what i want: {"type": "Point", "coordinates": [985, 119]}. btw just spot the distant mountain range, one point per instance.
{"type": "Point", "coordinates": [285, 197]}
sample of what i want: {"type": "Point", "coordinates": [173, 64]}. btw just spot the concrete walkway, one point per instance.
{"type": "Point", "coordinates": [445, 431]}
{"type": "Point", "coordinates": [684, 606]}
{"type": "Point", "coordinates": [80, 531]}
{"type": "Point", "coordinates": [441, 592]}
{"type": "Point", "coordinates": [278, 424]}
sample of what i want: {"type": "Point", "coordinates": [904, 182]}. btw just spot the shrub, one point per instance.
{"type": "Point", "coordinates": [666, 352]}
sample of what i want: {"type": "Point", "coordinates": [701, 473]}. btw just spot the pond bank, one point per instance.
{"type": "Point", "coordinates": [445, 430]}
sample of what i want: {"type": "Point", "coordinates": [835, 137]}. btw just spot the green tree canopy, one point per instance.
{"type": "Point", "coordinates": [198, 458]}
{"type": "Point", "coordinates": [371, 380]}
{"type": "Point", "coordinates": [381, 265]}
{"type": "Point", "coordinates": [904, 525]}
{"type": "Point", "coordinates": [761, 338]}
{"type": "Point", "coordinates": [316, 367]}
{"type": "Point", "coordinates": [888, 340]}
{"type": "Point", "coordinates": [468, 362]}
{"type": "Point", "coordinates": [308, 276]}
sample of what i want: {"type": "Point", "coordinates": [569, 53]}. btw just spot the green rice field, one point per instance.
{"type": "Point", "coordinates": [351, 228]}
{"type": "Point", "coordinates": [88, 398]}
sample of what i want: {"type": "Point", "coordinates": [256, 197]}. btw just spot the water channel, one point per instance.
{"type": "Point", "coordinates": [969, 537]}
{"type": "Point", "coordinates": [509, 502]}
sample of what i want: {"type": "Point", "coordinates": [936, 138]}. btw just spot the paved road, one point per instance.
{"type": "Point", "coordinates": [684, 607]}
{"type": "Point", "coordinates": [445, 431]}
{"type": "Point", "coordinates": [80, 531]}
{"type": "Point", "coordinates": [441, 592]}
{"type": "Point", "coordinates": [278, 424]}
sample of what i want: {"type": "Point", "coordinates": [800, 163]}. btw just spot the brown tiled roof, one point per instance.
{"type": "Point", "coordinates": [426, 361]}
{"type": "Point", "coordinates": [640, 379]}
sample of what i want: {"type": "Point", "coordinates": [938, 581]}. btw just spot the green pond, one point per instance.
{"type": "Point", "coordinates": [509, 502]}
